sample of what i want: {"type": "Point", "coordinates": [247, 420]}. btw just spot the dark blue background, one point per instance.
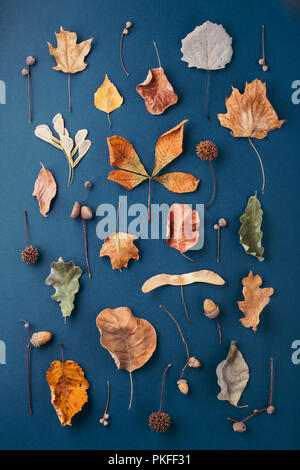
{"type": "Point", "coordinates": [199, 420]}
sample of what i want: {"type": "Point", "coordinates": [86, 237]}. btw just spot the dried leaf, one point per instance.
{"type": "Point", "coordinates": [250, 230]}
{"type": "Point", "coordinates": [255, 300]}
{"type": "Point", "coordinates": [64, 278]}
{"type": "Point", "coordinates": [44, 190]}
{"type": "Point", "coordinates": [157, 91]}
{"type": "Point", "coordinates": [69, 55]}
{"type": "Point", "coordinates": [168, 147]}
{"type": "Point", "coordinates": [126, 179]}
{"type": "Point", "coordinates": [182, 225]}
{"type": "Point", "coordinates": [80, 136]}
{"type": "Point", "coordinates": [233, 375]}
{"type": "Point", "coordinates": [203, 275]}
{"type": "Point", "coordinates": [107, 98]}
{"type": "Point", "coordinates": [131, 341]}
{"type": "Point", "coordinates": [207, 47]}
{"type": "Point", "coordinates": [178, 182]}
{"type": "Point", "coordinates": [250, 114]}
{"type": "Point", "coordinates": [120, 248]}
{"type": "Point", "coordinates": [68, 389]}
{"type": "Point", "coordinates": [122, 155]}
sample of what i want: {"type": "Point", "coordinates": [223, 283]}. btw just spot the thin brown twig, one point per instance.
{"type": "Point", "coordinates": [219, 329]}
{"type": "Point", "coordinates": [27, 325]}
{"type": "Point", "coordinates": [131, 390]}
{"type": "Point", "coordinates": [218, 253]}
{"type": "Point", "coordinates": [162, 386]}
{"type": "Point", "coordinates": [272, 380]}
{"type": "Point", "coordinates": [263, 43]}
{"type": "Point", "coordinates": [107, 401]}
{"type": "Point", "coordinates": [85, 248]}
{"type": "Point", "coordinates": [29, 99]}
{"type": "Point", "coordinates": [186, 312]}
{"type": "Point", "coordinates": [121, 55]}
{"type": "Point", "coordinates": [214, 183]}
{"type": "Point", "coordinates": [26, 227]}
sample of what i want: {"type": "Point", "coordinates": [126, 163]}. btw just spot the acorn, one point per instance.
{"type": "Point", "coordinates": [183, 386]}
{"type": "Point", "coordinates": [194, 363]}
{"type": "Point", "coordinates": [211, 310]}
{"type": "Point", "coordinates": [76, 210]}
{"type": "Point", "coordinates": [86, 213]}
{"type": "Point", "coordinates": [40, 338]}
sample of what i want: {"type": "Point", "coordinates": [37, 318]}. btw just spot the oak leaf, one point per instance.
{"type": "Point", "coordinates": [157, 91]}
{"type": "Point", "coordinates": [68, 389]}
{"type": "Point", "coordinates": [182, 225]}
{"type": "Point", "coordinates": [131, 341]}
{"type": "Point", "coordinates": [44, 190]}
{"type": "Point", "coordinates": [250, 114]}
{"type": "Point", "coordinates": [132, 173]}
{"type": "Point", "coordinates": [64, 278]}
{"type": "Point", "coordinates": [120, 248]}
{"type": "Point", "coordinates": [233, 375]}
{"type": "Point", "coordinates": [107, 98]}
{"type": "Point", "coordinates": [255, 300]}
{"type": "Point", "coordinates": [69, 55]}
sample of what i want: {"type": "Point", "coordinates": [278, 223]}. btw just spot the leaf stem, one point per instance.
{"type": "Point", "coordinates": [263, 43]}
{"type": "Point", "coordinates": [85, 248]}
{"type": "Point", "coordinates": [26, 227]}
{"type": "Point", "coordinates": [206, 96]}
{"type": "Point", "coordinates": [121, 54]}
{"type": "Point", "coordinates": [162, 386]}
{"type": "Point", "coordinates": [27, 325]}
{"type": "Point", "coordinates": [218, 252]}
{"type": "Point", "coordinates": [69, 92]}
{"type": "Point", "coordinates": [157, 54]}
{"type": "Point", "coordinates": [219, 329]}
{"type": "Point", "coordinates": [186, 312]}
{"type": "Point", "coordinates": [29, 100]}
{"type": "Point", "coordinates": [107, 401]}
{"type": "Point", "coordinates": [261, 165]}
{"type": "Point", "coordinates": [149, 199]}
{"type": "Point", "coordinates": [109, 121]}
{"type": "Point", "coordinates": [131, 390]}
{"type": "Point", "coordinates": [214, 183]}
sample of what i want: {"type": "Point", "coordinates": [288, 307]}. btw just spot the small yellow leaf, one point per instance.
{"type": "Point", "coordinates": [107, 98]}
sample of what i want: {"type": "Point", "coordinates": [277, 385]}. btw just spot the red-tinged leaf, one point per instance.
{"type": "Point", "coordinates": [157, 91]}
{"type": "Point", "coordinates": [183, 222]}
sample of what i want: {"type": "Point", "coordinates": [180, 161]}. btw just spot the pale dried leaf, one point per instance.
{"type": "Point", "coordinates": [203, 275]}
{"type": "Point", "coordinates": [69, 55]}
{"type": "Point", "coordinates": [233, 375]}
{"type": "Point", "coordinates": [80, 136]}
{"type": "Point", "coordinates": [44, 190]}
{"type": "Point", "coordinates": [207, 47]}
{"type": "Point", "coordinates": [67, 144]}
{"type": "Point", "coordinates": [58, 124]}
{"type": "Point", "coordinates": [83, 149]}
{"type": "Point", "coordinates": [43, 132]}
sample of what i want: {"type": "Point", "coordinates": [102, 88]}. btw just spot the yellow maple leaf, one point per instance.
{"type": "Point", "coordinates": [107, 98]}
{"type": "Point", "coordinates": [68, 389]}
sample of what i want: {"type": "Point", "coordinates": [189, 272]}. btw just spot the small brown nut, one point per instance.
{"type": "Point", "coordinates": [270, 409]}
{"type": "Point", "coordinates": [101, 420]}
{"type": "Point", "coordinates": [194, 362]}
{"type": "Point", "coordinates": [30, 60]}
{"type": "Point", "coordinates": [75, 211]}
{"type": "Point", "coordinates": [105, 423]}
{"type": "Point", "coordinates": [87, 184]}
{"type": "Point", "coordinates": [261, 61]}
{"type": "Point", "coordinates": [86, 213]}
{"type": "Point", "coordinates": [211, 310]}
{"type": "Point", "coordinates": [125, 31]}
{"type": "Point", "coordinates": [183, 386]}
{"type": "Point", "coordinates": [239, 426]}
{"type": "Point", "coordinates": [106, 415]}
{"type": "Point", "coordinates": [24, 72]}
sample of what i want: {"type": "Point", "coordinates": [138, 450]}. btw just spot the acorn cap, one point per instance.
{"type": "Point", "coordinates": [211, 310]}
{"type": "Point", "coordinates": [159, 421]}
{"type": "Point", "coordinates": [40, 338]}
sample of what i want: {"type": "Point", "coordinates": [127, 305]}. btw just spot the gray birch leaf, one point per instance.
{"type": "Point", "coordinates": [233, 375]}
{"type": "Point", "coordinates": [250, 230]}
{"type": "Point", "coordinates": [64, 278]}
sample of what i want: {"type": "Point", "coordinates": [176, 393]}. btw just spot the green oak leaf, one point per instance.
{"type": "Point", "coordinates": [64, 278]}
{"type": "Point", "coordinates": [250, 230]}
{"type": "Point", "coordinates": [233, 375]}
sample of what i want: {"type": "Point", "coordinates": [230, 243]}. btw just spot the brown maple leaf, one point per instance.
{"type": "Point", "coordinates": [68, 389]}
{"type": "Point", "coordinates": [250, 114]}
{"type": "Point", "coordinates": [255, 300]}
{"type": "Point", "coordinates": [132, 172]}
{"type": "Point", "coordinates": [120, 248]}
{"type": "Point", "coordinates": [69, 55]}
{"type": "Point", "coordinates": [156, 90]}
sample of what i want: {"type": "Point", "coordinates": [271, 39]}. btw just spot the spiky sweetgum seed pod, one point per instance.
{"type": "Point", "coordinates": [30, 254]}
{"type": "Point", "coordinates": [159, 421]}
{"type": "Point", "coordinates": [239, 426]}
{"type": "Point", "coordinates": [207, 150]}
